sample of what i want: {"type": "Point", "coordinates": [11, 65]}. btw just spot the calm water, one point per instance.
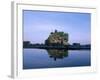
{"type": "Point", "coordinates": [41, 58]}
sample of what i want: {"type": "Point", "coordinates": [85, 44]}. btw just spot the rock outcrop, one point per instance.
{"type": "Point", "coordinates": [57, 38]}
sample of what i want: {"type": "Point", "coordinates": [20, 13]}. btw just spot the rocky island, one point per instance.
{"type": "Point", "coordinates": [57, 38]}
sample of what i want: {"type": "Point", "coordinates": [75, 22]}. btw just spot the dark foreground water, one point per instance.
{"type": "Point", "coordinates": [41, 58]}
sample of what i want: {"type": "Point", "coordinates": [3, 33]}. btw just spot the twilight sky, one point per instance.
{"type": "Point", "coordinates": [37, 25]}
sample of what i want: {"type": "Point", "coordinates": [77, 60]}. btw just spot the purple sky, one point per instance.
{"type": "Point", "coordinates": [38, 25]}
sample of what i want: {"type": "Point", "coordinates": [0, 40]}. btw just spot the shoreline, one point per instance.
{"type": "Point", "coordinates": [71, 47]}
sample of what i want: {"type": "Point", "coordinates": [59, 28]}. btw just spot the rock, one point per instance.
{"type": "Point", "coordinates": [57, 38]}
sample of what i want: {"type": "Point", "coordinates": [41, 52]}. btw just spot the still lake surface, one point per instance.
{"type": "Point", "coordinates": [41, 58]}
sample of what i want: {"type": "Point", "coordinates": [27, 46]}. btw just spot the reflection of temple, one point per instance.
{"type": "Point", "coordinates": [57, 54]}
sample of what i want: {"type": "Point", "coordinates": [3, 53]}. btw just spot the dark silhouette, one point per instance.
{"type": "Point", "coordinates": [27, 44]}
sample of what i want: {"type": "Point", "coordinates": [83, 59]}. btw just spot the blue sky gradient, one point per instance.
{"type": "Point", "coordinates": [37, 25]}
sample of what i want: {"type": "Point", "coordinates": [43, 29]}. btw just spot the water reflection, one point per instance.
{"type": "Point", "coordinates": [57, 54]}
